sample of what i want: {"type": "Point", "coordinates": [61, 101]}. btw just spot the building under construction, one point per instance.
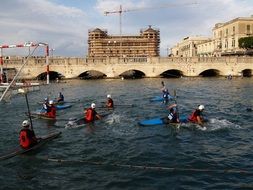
{"type": "Point", "coordinates": [147, 44]}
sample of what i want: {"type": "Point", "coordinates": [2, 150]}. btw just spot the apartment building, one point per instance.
{"type": "Point", "coordinates": [188, 46]}
{"type": "Point", "coordinates": [226, 36]}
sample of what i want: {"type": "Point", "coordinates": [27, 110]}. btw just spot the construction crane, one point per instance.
{"type": "Point", "coordinates": [120, 11]}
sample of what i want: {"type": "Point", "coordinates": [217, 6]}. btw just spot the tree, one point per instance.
{"type": "Point", "coordinates": [246, 43]}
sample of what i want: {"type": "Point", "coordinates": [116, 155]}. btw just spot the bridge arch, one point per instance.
{"type": "Point", "coordinates": [92, 74]}
{"type": "Point", "coordinates": [133, 74]}
{"type": "Point", "coordinates": [53, 75]}
{"type": "Point", "coordinates": [247, 73]}
{"type": "Point", "coordinates": [172, 73]}
{"type": "Point", "coordinates": [210, 73]}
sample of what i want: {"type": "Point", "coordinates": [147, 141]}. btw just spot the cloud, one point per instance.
{"type": "Point", "coordinates": [44, 21]}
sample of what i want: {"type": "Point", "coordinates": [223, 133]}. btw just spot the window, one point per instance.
{"type": "Point", "coordinates": [220, 34]}
{"type": "Point", "coordinates": [248, 29]}
{"type": "Point", "coordinates": [233, 42]}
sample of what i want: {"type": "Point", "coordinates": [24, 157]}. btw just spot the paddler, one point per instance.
{"type": "Point", "coordinates": [90, 114]}
{"type": "Point", "coordinates": [27, 137]}
{"type": "Point", "coordinates": [173, 115]}
{"type": "Point", "coordinates": [196, 116]}
{"type": "Point", "coordinates": [46, 104]}
{"type": "Point", "coordinates": [51, 112]}
{"type": "Point", "coordinates": [109, 103]}
{"type": "Point", "coordinates": [166, 96]}
{"type": "Point", "coordinates": [60, 98]}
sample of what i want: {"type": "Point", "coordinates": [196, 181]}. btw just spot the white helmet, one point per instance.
{"type": "Point", "coordinates": [25, 123]}
{"type": "Point", "coordinates": [201, 107]}
{"type": "Point", "coordinates": [93, 105]}
{"type": "Point", "coordinates": [108, 96]}
{"type": "Point", "coordinates": [51, 102]}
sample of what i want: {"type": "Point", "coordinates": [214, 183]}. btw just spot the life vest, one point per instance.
{"type": "Point", "coordinates": [193, 116]}
{"type": "Point", "coordinates": [24, 140]}
{"type": "Point", "coordinates": [51, 112]}
{"type": "Point", "coordinates": [89, 115]}
{"type": "Point", "coordinates": [110, 101]}
{"type": "Point", "coordinates": [61, 98]}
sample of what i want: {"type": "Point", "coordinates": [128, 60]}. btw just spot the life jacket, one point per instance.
{"type": "Point", "coordinates": [89, 115]}
{"type": "Point", "coordinates": [193, 116]}
{"type": "Point", "coordinates": [110, 101]}
{"type": "Point", "coordinates": [24, 140]}
{"type": "Point", "coordinates": [61, 98]}
{"type": "Point", "coordinates": [170, 116]}
{"type": "Point", "coordinates": [51, 112]}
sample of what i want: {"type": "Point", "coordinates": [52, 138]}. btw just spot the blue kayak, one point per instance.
{"type": "Point", "coordinates": [58, 107]}
{"type": "Point", "coordinates": [160, 98]}
{"type": "Point", "coordinates": [62, 106]}
{"type": "Point", "coordinates": [160, 121]}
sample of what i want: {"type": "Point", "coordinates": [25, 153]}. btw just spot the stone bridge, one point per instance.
{"type": "Point", "coordinates": [149, 67]}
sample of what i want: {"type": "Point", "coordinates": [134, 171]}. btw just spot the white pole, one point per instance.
{"type": "Point", "coordinates": [47, 62]}
{"type": "Point", "coordinates": [1, 62]}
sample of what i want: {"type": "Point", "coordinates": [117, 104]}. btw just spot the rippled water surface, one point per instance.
{"type": "Point", "coordinates": [117, 153]}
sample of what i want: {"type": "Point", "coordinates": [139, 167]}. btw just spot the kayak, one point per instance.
{"type": "Point", "coordinates": [62, 106]}
{"type": "Point", "coordinates": [62, 102]}
{"type": "Point", "coordinates": [20, 150]}
{"type": "Point", "coordinates": [160, 98]}
{"type": "Point", "coordinates": [164, 121]}
{"type": "Point", "coordinates": [40, 115]}
{"type": "Point", "coordinates": [75, 123]}
{"type": "Point", "coordinates": [160, 121]}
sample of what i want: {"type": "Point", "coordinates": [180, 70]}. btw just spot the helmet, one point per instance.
{"type": "Point", "coordinates": [108, 96]}
{"type": "Point", "coordinates": [46, 99]}
{"type": "Point", "coordinates": [51, 102]}
{"type": "Point", "coordinates": [25, 123]}
{"type": "Point", "coordinates": [93, 105]}
{"type": "Point", "coordinates": [201, 107]}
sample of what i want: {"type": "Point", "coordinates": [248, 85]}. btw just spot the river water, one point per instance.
{"type": "Point", "coordinates": [117, 153]}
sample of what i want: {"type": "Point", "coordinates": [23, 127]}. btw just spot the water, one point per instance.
{"type": "Point", "coordinates": [99, 156]}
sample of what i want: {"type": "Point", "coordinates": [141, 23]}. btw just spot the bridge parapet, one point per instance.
{"type": "Point", "coordinates": [72, 67]}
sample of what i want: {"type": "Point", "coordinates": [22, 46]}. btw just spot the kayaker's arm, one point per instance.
{"type": "Point", "coordinates": [199, 121]}
{"type": "Point", "coordinates": [98, 116]}
{"type": "Point", "coordinates": [172, 106]}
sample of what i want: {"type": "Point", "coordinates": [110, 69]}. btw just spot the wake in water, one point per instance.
{"type": "Point", "coordinates": [216, 124]}
{"type": "Point", "coordinates": [213, 124]}
{"type": "Point", "coordinates": [114, 118]}
{"type": "Point", "coordinates": [115, 125]}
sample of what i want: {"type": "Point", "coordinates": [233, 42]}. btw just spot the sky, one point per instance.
{"type": "Point", "coordinates": [64, 24]}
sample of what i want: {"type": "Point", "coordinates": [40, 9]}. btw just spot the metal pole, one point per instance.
{"type": "Point", "coordinates": [28, 108]}
{"type": "Point", "coordinates": [1, 62]}
{"type": "Point", "coordinates": [47, 63]}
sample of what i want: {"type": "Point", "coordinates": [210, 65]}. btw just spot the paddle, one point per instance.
{"type": "Point", "coordinates": [175, 99]}
{"type": "Point", "coordinates": [162, 83]}
{"type": "Point", "coordinates": [116, 105]}
{"type": "Point", "coordinates": [23, 91]}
